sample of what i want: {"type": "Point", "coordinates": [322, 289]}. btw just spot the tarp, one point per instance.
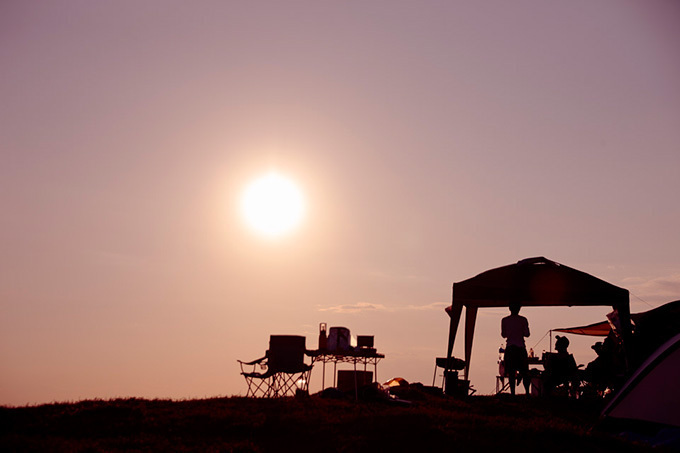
{"type": "Point", "coordinates": [652, 394]}
{"type": "Point", "coordinates": [652, 328]}
{"type": "Point", "coordinates": [599, 329]}
{"type": "Point", "coordinates": [531, 282]}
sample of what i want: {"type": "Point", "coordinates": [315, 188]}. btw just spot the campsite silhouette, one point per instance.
{"type": "Point", "coordinates": [568, 409]}
{"type": "Point", "coordinates": [299, 226]}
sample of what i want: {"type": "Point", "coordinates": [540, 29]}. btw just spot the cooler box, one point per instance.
{"type": "Point", "coordinates": [536, 386]}
{"type": "Point", "coordinates": [456, 387]}
{"type": "Point", "coordinates": [346, 379]}
{"type": "Point", "coordinates": [338, 339]}
{"type": "Point", "coordinates": [365, 341]}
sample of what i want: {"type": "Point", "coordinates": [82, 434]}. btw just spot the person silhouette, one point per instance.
{"type": "Point", "coordinates": [514, 329]}
{"type": "Point", "coordinates": [560, 368]}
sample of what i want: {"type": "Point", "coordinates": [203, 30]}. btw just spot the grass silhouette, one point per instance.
{"type": "Point", "coordinates": [428, 423]}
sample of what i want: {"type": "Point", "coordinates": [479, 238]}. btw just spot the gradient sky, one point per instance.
{"type": "Point", "coordinates": [433, 140]}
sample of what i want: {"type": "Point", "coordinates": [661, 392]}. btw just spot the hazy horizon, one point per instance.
{"type": "Point", "coordinates": [431, 141]}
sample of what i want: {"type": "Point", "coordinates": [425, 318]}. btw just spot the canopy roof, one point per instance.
{"type": "Point", "coordinates": [530, 282]}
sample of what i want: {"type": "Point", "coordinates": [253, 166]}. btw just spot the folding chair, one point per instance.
{"type": "Point", "coordinates": [450, 382]}
{"type": "Point", "coordinates": [560, 371]}
{"type": "Point", "coordinates": [284, 370]}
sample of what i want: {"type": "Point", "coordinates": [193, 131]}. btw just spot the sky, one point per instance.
{"type": "Point", "coordinates": [431, 141]}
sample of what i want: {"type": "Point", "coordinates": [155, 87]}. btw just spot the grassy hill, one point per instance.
{"type": "Point", "coordinates": [427, 423]}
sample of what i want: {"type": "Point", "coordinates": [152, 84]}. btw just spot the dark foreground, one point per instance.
{"type": "Point", "coordinates": [428, 423]}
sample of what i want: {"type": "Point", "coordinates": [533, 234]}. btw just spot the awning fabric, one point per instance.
{"type": "Point", "coordinates": [599, 329]}
{"type": "Point", "coordinates": [530, 282]}
{"type": "Point", "coordinates": [662, 318]}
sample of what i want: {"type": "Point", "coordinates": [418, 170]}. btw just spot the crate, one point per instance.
{"type": "Point", "coordinates": [346, 380]}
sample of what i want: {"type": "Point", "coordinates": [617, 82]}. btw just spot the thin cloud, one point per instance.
{"type": "Point", "coordinates": [355, 308]}
{"type": "Point", "coordinates": [655, 291]}
{"type": "Point", "coordinates": [433, 306]}
{"type": "Point", "coordinates": [365, 307]}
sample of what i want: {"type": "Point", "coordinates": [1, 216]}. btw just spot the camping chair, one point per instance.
{"type": "Point", "coordinates": [454, 364]}
{"type": "Point", "coordinates": [450, 382]}
{"type": "Point", "coordinates": [560, 370]}
{"type": "Point", "coordinates": [284, 370]}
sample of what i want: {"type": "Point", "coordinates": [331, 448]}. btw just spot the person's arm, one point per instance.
{"type": "Point", "coordinates": [526, 328]}
{"type": "Point", "coordinates": [504, 334]}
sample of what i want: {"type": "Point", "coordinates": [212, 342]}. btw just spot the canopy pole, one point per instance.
{"type": "Point", "coordinates": [623, 310]}
{"type": "Point", "coordinates": [470, 319]}
{"type": "Point", "coordinates": [454, 312]}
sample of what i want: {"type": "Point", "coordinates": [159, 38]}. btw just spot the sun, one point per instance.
{"type": "Point", "coordinates": [273, 204]}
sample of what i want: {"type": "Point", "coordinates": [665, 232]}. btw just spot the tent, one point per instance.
{"type": "Point", "coordinates": [652, 394]}
{"type": "Point", "coordinates": [531, 282]}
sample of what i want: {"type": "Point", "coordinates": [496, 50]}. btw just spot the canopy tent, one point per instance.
{"type": "Point", "coordinates": [531, 282]}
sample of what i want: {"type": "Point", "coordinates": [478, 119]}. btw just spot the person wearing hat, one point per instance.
{"type": "Point", "coordinates": [561, 367]}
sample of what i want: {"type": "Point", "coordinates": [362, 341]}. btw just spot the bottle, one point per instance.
{"type": "Point", "coordinates": [531, 353]}
{"type": "Point", "coordinates": [322, 336]}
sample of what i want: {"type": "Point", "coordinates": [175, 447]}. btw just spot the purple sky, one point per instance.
{"type": "Point", "coordinates": [432, 140]}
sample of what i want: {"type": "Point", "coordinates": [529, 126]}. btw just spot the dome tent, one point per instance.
{"type": "Point", "coordinates": [652, 393]}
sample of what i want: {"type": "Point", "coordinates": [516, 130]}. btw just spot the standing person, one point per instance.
{"type": "Point", "coordinates": [514, 328]}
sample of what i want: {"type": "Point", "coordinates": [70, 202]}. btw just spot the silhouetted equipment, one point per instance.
{"type": "Point", "coordinates": [338, 339]}
{"type": "Point", "coordinates": [450, 380]}
{"type": "Point", "coordinates": [531, 282]}
{"type": "Point", "coordinates": [338, 350]}
{"type": "Point", "coordinates": [364, 341]}
{"type": "Point", "coordinates": [536, 381]}
{"type": "Point", "coordinates": [350, 381]}
{"type": "Point", "coordinates": [284, 370]}
{"type": "Point", "coordinates": [323, 339]}
{"type": "Point", "coordinates": [456, 386]}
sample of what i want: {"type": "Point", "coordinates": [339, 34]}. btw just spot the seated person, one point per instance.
{"type": "Point", "coordinates": [607, 371]}
{"type": "Point", "coordinates": [560, 367]}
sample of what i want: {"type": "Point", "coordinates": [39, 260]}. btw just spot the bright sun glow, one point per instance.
{"type": "Point", "coordinates": [273, 205]}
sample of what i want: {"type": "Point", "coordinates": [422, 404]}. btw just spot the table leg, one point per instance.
{"type": "Point", "coordinates": [356, 386]}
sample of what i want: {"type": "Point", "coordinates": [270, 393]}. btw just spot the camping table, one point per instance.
{"type": "Point", "coordinates": [357, 356]}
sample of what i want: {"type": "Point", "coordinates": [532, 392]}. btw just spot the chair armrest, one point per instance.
{"type": "Point", "coordinates": [254, 362]}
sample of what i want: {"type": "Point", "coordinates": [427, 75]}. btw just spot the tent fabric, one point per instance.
{"type": "Point", "coordinates": [652, 394]}
{"type": "Point", "coordinates": [537, 282]}
{"type": "Point", "coordinates": [531, 282]}
{"type": "Point", "coordinates": [666, 316]}
{"type": "Point", "coordinates": [599, 329]}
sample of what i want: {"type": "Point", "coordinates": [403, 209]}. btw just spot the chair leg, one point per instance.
{"type": "Point", "coordinates": [277, 385]}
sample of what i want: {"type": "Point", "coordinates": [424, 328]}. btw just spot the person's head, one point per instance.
{"type": "Point", "coordinates": [597, 347]}
{"type": "Point", "coordinates": [514, 308]}
{"type": "Point", "coordinates": [561, 343]}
